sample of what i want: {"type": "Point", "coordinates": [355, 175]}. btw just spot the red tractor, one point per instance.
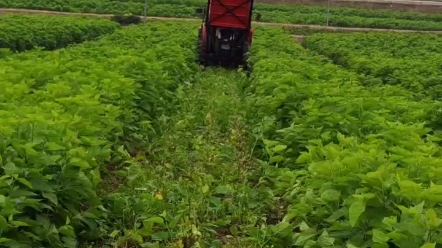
{"type": "Point", "coordinates": [225, 35]}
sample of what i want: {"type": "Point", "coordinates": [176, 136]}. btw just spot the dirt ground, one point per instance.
{"type": "Point", "coordinates": [415, 6]}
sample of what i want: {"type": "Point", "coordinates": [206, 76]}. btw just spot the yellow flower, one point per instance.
{"type": "Point", "coordinates": [159, 196]}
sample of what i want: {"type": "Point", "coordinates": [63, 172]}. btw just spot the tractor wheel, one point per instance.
{"type": "Point", "coordinates": [246, 67]}
{"type": "Point", "coordinates": [200, 49]}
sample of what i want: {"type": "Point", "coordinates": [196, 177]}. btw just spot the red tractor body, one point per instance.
{"type": "Point", "coordinates": [225, 34]}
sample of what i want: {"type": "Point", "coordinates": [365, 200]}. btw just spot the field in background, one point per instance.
{"type": "Point", "coordinates": [124, 141]}
{"type": "Point", "coordinates": [412, 61]}
{"type": "Point", "coordinates": [395, 5]}
{"type": "Point", "coordinates": [298, 14]}
{"type": "Point", "coordinates": [20, 32]}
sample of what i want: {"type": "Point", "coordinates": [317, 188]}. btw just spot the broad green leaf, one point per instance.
{"type": "Point", "coordinates": [114, 233]}
{"type": "Point", "coordinates": [379, 236]}
{"type": "Point", "coordinates": [19, 223]}
{"type": "Point", "coordinates": [336, 215]}
{"type": "Point", "coordinates": [305, 236]}
{"type": "Point", "coordinates": [195, 231]}
{"type": "Point", "coordinates": [377, 245]}
{"type": "Point", "coordinates": [80, 163]}
{"type": "Point", "coordinates": [279, 148]}
{"type": "Point", "coordinates": [276, 159]}
{"type": "Point", "coordinates": [157, 220]}
{"type": "Point", "coordinates": [355, 211]}
{"type": "Point", "coordinates": [3, 223]}
{"type": "Point", "coordinates": [221, 189]}
{"type": "Point", "coordinates": [419, 208]}
{"type": "Point", "coordinates": [67, 230]}
{"type": "Point", "coordinates": [433, 221]}
{"type": "Point", "coordinates": [305, 157]}
{"type": "Point", "coordinates": [3, 240]}
{"type": "Point", "coordinates": [429, 245]}
{"type": "Point", "coordinates": [30, 151]}
{"type": "Point", "coordinates": [25, 182]}
{"type": "Point", "coordinates": [234, 230]}
{"type": "Point", "coordinates": [205, 189]}
{"type": "Point", "coordinates": [303, 226]}
{"type": "Point", "coordinates": [325, 240]}
{"type": "Point", "coordinates": [52, 146]}
{"type": "Point", "coordinates": [10, 168]}
{"type": "Point", "coordinates": [331, 195]}
{"type": "Point", "coordinates": [51, 197]}
{"type": "Point", "coordinates": [282, 228]}
{"type": "Point", "coordinates": [137, 238]}
{"type": "Point", "coordinates": [2, 201]}
{"type": "Point", "coordinates": [160, 236]}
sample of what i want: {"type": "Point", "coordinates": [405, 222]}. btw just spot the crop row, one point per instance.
{"type": "Point", "coordinates": [409, 60]}
{"type": "Point", "coordinates": [64, 115]}
{"type": "Point", "coordinates": [357, 167]}
{"type": "Point", "coordinates": [20, 32]}
{"type": "Point", "coordinates": [270, 13]}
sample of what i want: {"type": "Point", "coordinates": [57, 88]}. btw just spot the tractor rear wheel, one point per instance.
{"type": "Point", "coordinates": [246, 67]}
{"type": "Point", "coordinates": [200, 49]}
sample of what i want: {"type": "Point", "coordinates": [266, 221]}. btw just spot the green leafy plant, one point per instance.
{"type": "Point", "coordinates": [355, 164]}
{"type": "Point", "coordinates": [409, 60]}
{"type": "Point", "coordinates": [280, 13]}
{"type": "Point", "coordinates": [65, 115]}
{"type": "Point", "coordinates": [26, 32]}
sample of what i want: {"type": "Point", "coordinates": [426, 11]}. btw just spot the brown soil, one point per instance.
{"type": "Point", "coordinates": [317, 27]}
{"type": "Point", "coordinates": [299, 38]}
{"type": "Point", "coordinates": [398, 5]}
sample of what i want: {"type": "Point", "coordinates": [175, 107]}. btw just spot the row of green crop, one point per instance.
{"type": "Point", "coordinates": [270, 13]}
{"type": "Point", "coordinates": [357, 167]}
{"type": "Point", "coordinates": [409, 60]}
{"type": "Point", "coordinates": [65, 114]}
{"type": "Point", "coordinates": [20, 32]}
{"type": "Point", "coordinates": [310, 9]}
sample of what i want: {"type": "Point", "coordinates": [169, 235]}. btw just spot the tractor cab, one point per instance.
{"type": "Point", "coordinates": [225, 34]}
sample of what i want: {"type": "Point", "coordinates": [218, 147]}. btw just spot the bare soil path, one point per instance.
{"type": "Point", "coordinates": [316, 27]}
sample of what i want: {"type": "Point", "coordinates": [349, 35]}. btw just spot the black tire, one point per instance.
{"type": "Point", "coordinates": [200, 49]}
{"type": "Point", "coordinates": [245, 65]}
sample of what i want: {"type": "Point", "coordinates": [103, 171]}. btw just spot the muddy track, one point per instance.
{"type": "Point", "coordinates": [284, 25]}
